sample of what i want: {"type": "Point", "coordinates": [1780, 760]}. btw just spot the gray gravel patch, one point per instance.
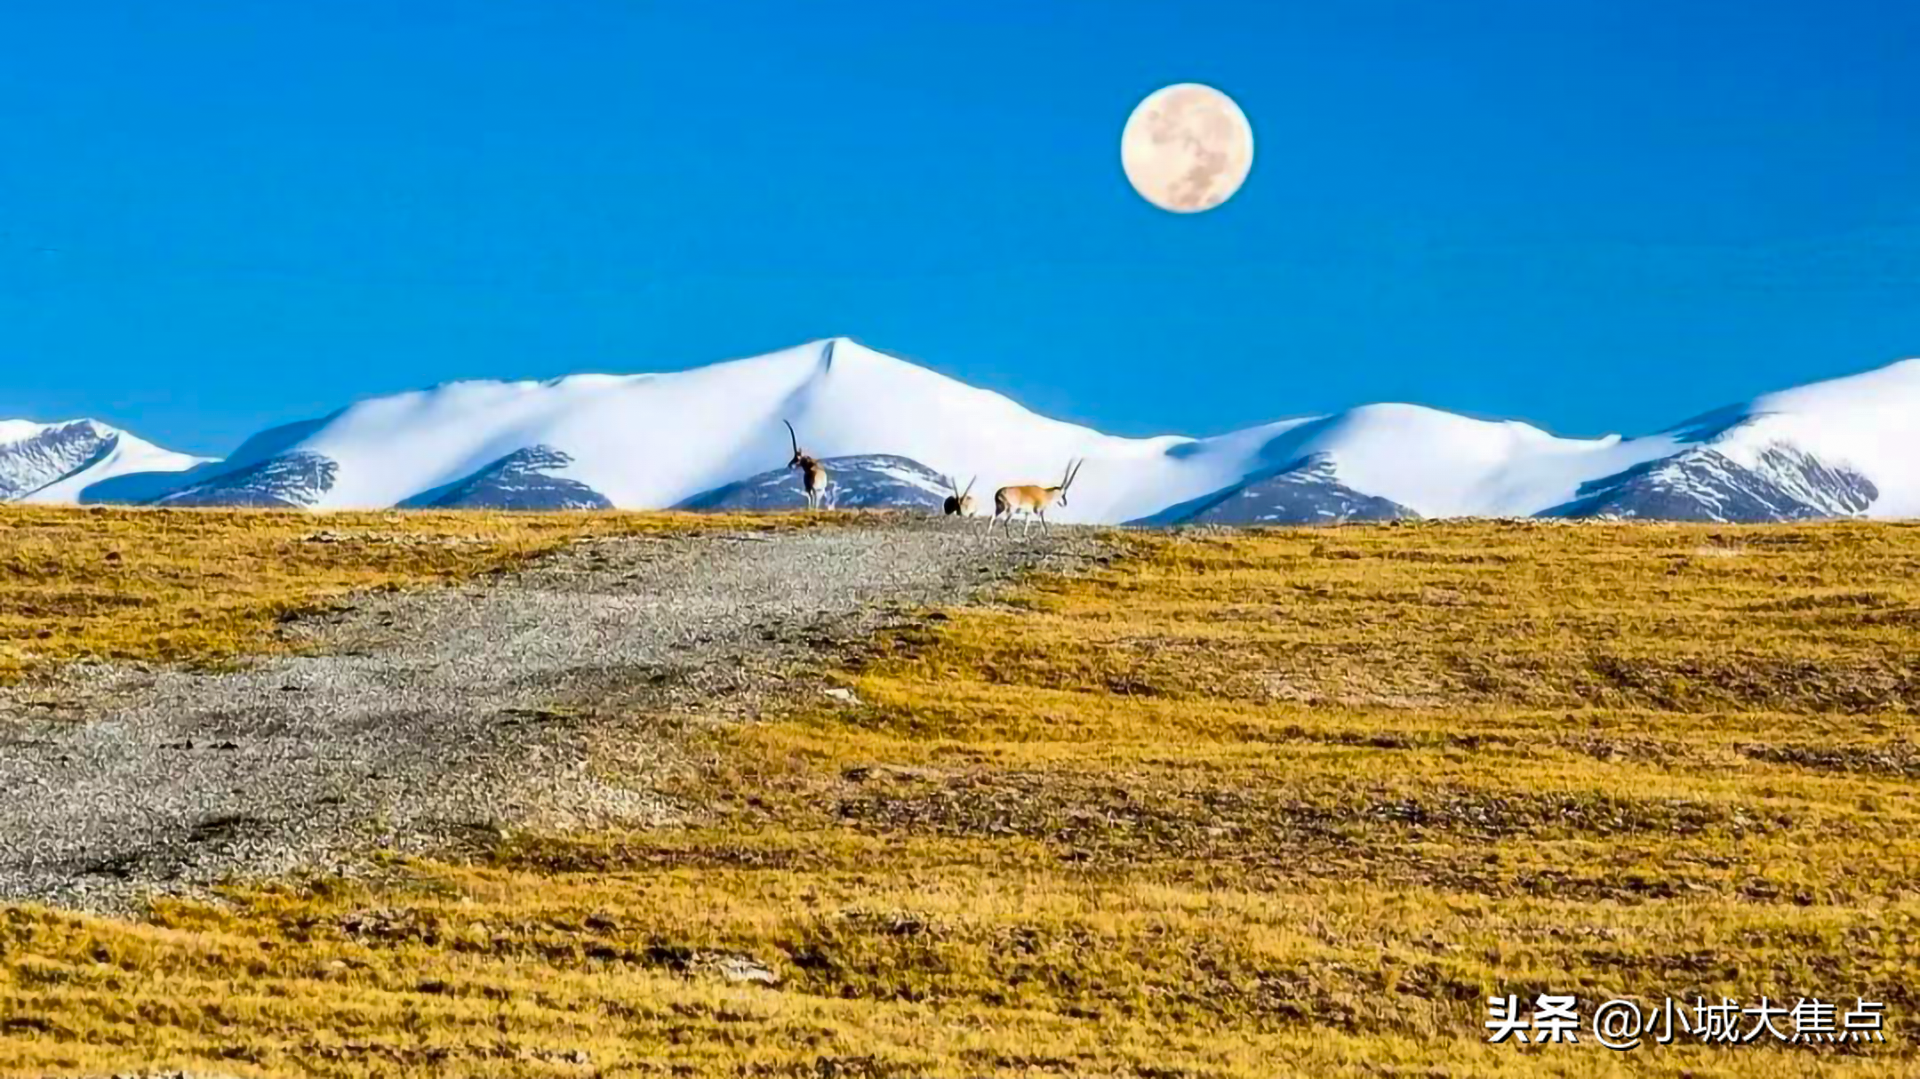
{"type": "Point", "coordinates": [427, 717]}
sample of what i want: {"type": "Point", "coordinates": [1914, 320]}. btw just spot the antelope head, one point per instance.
{"type": "Point", "coordinates": [800, 459]}
{"type": "Point", "coordinates": [960, 503]}
{"type": "Point", "coordinates": [1073, 471]}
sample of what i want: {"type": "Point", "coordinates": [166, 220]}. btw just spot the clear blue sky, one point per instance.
{"type": "Point", "coordinates": [1594, 214]}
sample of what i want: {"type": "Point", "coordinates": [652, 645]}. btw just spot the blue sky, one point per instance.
{"type": "Point", "coordinates": [1594, 214]}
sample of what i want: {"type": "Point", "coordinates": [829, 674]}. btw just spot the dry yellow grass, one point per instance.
{"type": "Point", "coordinates": [1242, 805]}
{"type": "Point", "coordinates": [202, 586]}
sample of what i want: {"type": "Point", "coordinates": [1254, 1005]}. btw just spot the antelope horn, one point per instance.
{"type": "Point", "coordinates": [793, 435]}
{"type": "Point", "coordinates": [969, 489]}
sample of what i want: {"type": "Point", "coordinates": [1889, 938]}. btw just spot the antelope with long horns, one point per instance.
{"type": "Point", "coordinates": [1031, 500]}
{"type": "Point", "coordinates": [960, 503]}
{"type": "Point", "coordinates": [813, 477]}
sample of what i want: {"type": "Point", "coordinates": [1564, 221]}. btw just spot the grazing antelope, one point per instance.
{"type": "Point", "coordinates": [1031, 500]}
{"type": "Point", "coordinates": [813, 478]}
{"type": "Point", "coordinates": [960, 503]}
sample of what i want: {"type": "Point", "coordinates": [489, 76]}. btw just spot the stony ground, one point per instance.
{"type": "Point", "coordinates": [421, 718]}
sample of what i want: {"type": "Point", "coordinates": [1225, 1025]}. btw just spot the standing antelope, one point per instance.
{"type": "Point", "coordinates": [813, 478]}
{"type": "Point", "coordinates": [1032, 500]}
{"type": "Point", "coordinates": [960, 503]}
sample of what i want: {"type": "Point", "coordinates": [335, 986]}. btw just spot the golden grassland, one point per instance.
{"type": "Point", "coordinates": [203, 586]}
{"type": "Point", "coordinates": [1242, 804]}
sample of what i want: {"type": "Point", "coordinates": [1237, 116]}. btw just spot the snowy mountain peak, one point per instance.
{"type": "Point", "coordinates": [53, 462]}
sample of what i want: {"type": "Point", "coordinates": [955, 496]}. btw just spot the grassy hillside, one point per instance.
{"type": "Point", "coordinates": [1239, 805]}
{"type": "Point", "coordinates": [206, 585]}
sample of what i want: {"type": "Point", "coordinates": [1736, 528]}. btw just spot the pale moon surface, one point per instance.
{"type": "Point", "coordinates": [1187, 148]}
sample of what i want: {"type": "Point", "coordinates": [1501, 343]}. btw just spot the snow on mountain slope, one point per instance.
{"type": "Point", "coordinates": [1867, 423]}
{"type": "Point", "coordinates": [1439, 464]}
{"type": "Point", "coordinates": [33, 455]}
{"type": "Point", "coordinates": [647, 441]}
{"type": "Point", "coordinates": [53, 462]}
{"type": "Point", "coordinates": [1703, 484]}
{"type": "Point", "coordinates": [1837, 448]}
{"type": "Point", "coordinates": [653, 441]}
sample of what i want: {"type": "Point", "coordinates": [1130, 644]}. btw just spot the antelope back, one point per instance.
{"type": "Point", "coordinates": [1023, 497]}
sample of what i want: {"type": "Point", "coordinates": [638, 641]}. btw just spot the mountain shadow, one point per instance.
{"type": "Point", "coordinates": [522, 480]}
{"type": "Point", "coordinates": [1703, 484]}
{"type": "Point", "coordinates": [865, 481]}
{"type": "Point", "coordinates": [1307, 492]}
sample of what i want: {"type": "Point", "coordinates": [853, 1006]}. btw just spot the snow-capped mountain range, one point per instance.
{"type": "Point", "coordinates": [892, 433]}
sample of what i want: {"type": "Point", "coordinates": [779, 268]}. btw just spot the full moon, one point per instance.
{"type": "Point", "coordinates": [1187, 148]}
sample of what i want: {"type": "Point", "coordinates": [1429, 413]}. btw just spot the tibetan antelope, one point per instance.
{"type": "Point", "coordinates": [960, 503]}
{"type": "Point", "coordinates": [813, 478]}
{"type": "Point", "coordinates": [1031, 500]}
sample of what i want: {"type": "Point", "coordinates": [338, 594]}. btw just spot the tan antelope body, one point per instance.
{"type": "Point", "coordinates": [1031, 500]}
{"type": "Point", "coordinates": [813, 477]}
{"type": "Point", "coordinates": [960, 503]}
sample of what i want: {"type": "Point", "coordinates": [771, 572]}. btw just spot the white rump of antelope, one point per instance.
{"type": "Point", "coordinates": [813, 477]}
{"type": "Point", "coordinates": [1034, 501]}
{"type": "Point", "coordinates": [960, 503]}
